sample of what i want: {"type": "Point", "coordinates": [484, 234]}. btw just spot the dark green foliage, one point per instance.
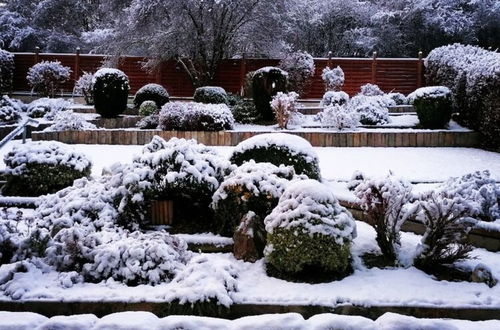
{"type": "Point", "coordinates": [110, 92]}
{"type": "Point", "coordinates": [151, 92]}
{"type": "Point", "coordinates": [433, 112]}
{"type": "Point", "coordinates": [244, 111]}
{"type": "Point", "coordinates": [266, 83]}
{"type": "Point", "coordinates": [210, 95]}
{"type": "Point", "coordinates": [6, 71]}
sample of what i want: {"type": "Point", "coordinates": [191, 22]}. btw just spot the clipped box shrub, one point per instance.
{"type": "Point", "coordinates": [148, 108]}
{"type": "Point", "coordinates": [309, 234]}
{"type": "Point", "coordinates": [6, 71]}
{"type": "Point", "coordinates": [372, 110]}
{"type": "Point", "coordinates": [266, 83]}
{"type": "Point", "coordinates": [39, 168]}
{"type": "Point", "coordinates": [191, 116]}
{"type": "Point", "coordinates": [110, 92]}
{"type": "Point", "coordinates": [46, 77]}
{"type": "Point", "coordinates": [245, 112]}
{"type": "Point", "coordinates": [433, 105]}
{"type": "Point", "coordinates": [151, 92]}
{"type": "Point", "coordinates": [210, 95]}
{"type": "Point", "coordinates": [279, 149]}
{"type": "Point", "coordinates": [334, 98]}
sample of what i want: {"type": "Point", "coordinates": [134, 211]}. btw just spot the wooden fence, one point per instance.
{"type": "Point", "coordinates": [401, 75]}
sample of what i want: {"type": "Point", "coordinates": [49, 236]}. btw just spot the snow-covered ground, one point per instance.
{"type": "Point", "coordinates": [414, 164]}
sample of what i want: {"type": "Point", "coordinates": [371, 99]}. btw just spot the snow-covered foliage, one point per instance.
{"type": "Point", "coordinates": [433, 105]}
{"type": "Point", "coordinates": [45, 78]}
{"type": "Point", "coordinates": [479, 188]}
{"type": "Point", "coordinates": [6, 71]}
{"type": "Point", "coordinates": [84, 86]}
{"type": "Point", "coordinates": [151, 92]}
{"type": "Point", "coordinates": [191, 116]}
{"type": "Point", "coordinates": [398, 98]}
{"type": "Point", "coordinates": [267, 82]}
{"type": "Point", "coordinates": [339, 117]}
{"type": "Point", "coordinates": [47, 108]}
{"type": "Point", "coordinates": [356, 179]}
{"type": "Point", "coordinates": [245, 112]}
{"type": "Point", "coordinates": [148, 108]}
{"type": "Point", "coordinates": [111, 89]}
{"type": "Point", "coordinates": [371, 109]}
{"type": "Point", "coordinates": [300, 68]}
{"type": "Point", "coordinates": [284, 106]}
{"type": "Point", "coordinates": [309, 228]}
{"type": "Point", "coordinates": [333, 78]}
{"type": "Point", "coordinates": [69, 121]}
{"type": "Point", "coordinates": [8, 115]}
{"type": "Point", "coordinates": [149, 122]}
{"type": "Point", "coordinates": [385, 202]}
{"type": "Point", "coordinates": [371, 90]}
{"type": "Point", "coordinates": [429, 92]}
{"type": "Point", "coordinates": [334, 98]}
{"type": "Point", "coordinates": [279, 148]}
{"type": "Point", "coordinates": [210, 95]}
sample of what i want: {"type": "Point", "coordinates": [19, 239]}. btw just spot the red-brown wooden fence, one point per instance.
{"type": "Point", "coordinates": [400, 75]}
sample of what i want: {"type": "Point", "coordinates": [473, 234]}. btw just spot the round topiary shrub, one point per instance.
{"type": "Point", "coordinates": [267, 82]}
{"type": "Point", "coordinates": [210, 95]}
{"type": "Point", "coordinates": [372, 110]}
{"type": "Point", "coordinates": [433, 105]}
{"type": "Point", "coordinates": [110, 92]}
{"type": "Point", "coordinates": [191, 116]}
{"type": "Point", "coordinates": [39, 168]}
{"type": "Point", "coordinates": [148, 108]}
{"type": "Point", "coordinates": [151, 92]}
{"type": "Point", "coordinates": [46, 77]}
{"type": "Point", "coordinates": [331, 98]}
{"type": "Point", "coordinates": [252, 187]}
{"type": "Point", "coordinates": [6, 71]}
{"type": "Point", "coordinates": [309, 234]}
{"type": "Point", "coordinates": [278, 149]}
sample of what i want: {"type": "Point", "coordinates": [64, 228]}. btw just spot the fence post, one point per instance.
{"type": "Point", "coordinates": [243, 69]}
{"type": "Point", "coordinates": [420, 70]}
{"type": "Point", "coordinates": [77, 63]}
{"type": "Point", "coordinates": [374, 68]}
{"type": "Point", "coordinates": [329, 63]}
{"type": "Point", "coordinates": [37, 55]}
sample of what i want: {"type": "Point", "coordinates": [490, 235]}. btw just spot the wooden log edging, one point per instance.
{"type": "Point", "coordinates": [163, 309]}
{"type": "Point", "coordinates": [438, 138]}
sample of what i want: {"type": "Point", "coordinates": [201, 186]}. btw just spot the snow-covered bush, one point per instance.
{"type": "Point", "coordinates": [385, 203]}
{"type": "Point", "coordinates": [6, 71]}
{"type": "Point", "coordinates": [252, 187]}
{"type": "Point", "coordinates": [148, 108]}
{"type": "Point", "coordinates": [245, 112]}
{"type": "Point", "coordinates": [69, 121]}
{"type": "Point", "coordinates": [278, 149]}
{"type": "Point", "coordinates": [447, 220]}
{"type": "Point", "coordinates": [47, 108]}
{"type": "Point", "coordinates": [16, 104]}
{"type": "Point", "coordinates": [433, 105]}
{"type": "Point", "coordinates": [8, 115]}
{"type": "Point", "coordinates": [149, 122]}
{"type": "Point", "coordinates": [110, 92]}
{"type": "Point", "coordinates": [84, 86]}
{"type": "Point", "coordinates": [309, 233]}
{"type": "Point", "coordinates": [210, 95]}
{"type": "Point", "coordinates": [339, 117]}
{"type": "Point", "coordinates": [356, 179]}
{"type": "Point", "coordinates": [398, 98]}
{"type": "Point", "coordinates": [284, 106]}
{"type": "Point", "coordinates": [151, 92]}
{"type": "Point", "coordinates": [39, 168]}
{"type": "Point", "coordinates": [479, 188]}
{"type": "Point", "coordinates": [334, 98]}
{"type": "Point", "coordinates": [333, 78]}
{"type": "Point", "coordinates": [300, 68]}
{"type": "Point", "coordinates": [372, 110]}
{"type": "Point", "coordinates": [267, 82]}
{"type": "Point", "coordinates": [191, 116]}
{"type": "Point", "coordinates": [46, 77]}
{"type": "Point", "coordinates": [371, 90]}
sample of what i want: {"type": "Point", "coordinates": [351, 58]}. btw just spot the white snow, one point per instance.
{"type": "Point", "coordinates": [430, 92]}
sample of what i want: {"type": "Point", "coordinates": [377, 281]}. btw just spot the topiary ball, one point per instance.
{"type": "Point", "coordinates": [210, 95]}
{"type": "Point", "coordinates": [433, 105]}
{"type": "Point", "coordinates": [278, 149]}
{"type": "Point", "coordinates": [151, 92]}
{"type": "Point", "coordinates": [111, 89]}
{"type": "Point", "coordinates": [309, 234]}
{"type": "Point", "coordinates": [266, 83]}
{"type": "Point", "coordinates": [148, 108]}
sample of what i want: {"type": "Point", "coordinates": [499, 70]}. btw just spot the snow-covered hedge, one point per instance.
{"type": "Point", "coordinates": [111, 89]}
{"type": "Point", "coordinates": [6, 71]}
{"type": "Point", "coordinates": [309, 233]}
{"type": "Point", "coordinates": [333, 78]}
{"type": "Point", "coordinates": [371, 90]}
{"type": "Point", "coordinates": [47, 108]}
{"type": "Point", "coordinates": [473, 75]}
{"type": "Point", "coordinates": [278, 149]}
{"type": "Point", "coordinates": [191, 116]}
{"type": "Point", "coordinates": [151, 92]}
{"type": "Point", "coordinates": [69, 121]}
{"type": "Point", "coordinates": [210, 95]}
{"type": "Point", "coordinates": [45, 78]}
{"type": "Point", "coordinates": [339, 117]}
{"type": "Point", "coordinates": [300, 68]}
{"type": "Point", "coordinates": [433, 105]}
{"type": "Point", "coordinates": [334, 98]}
{"type": "Point", "coordinates": [38, 168]}
{"type": "Point", "coordinates": [252, 187]}
{"type": "Point", "coordinates": [148, 108]}
{"type": "Point", "coordinates": [284, 106]}
{"type": "Point", "coordinates": [84, 86]}
{"type": "Point", "coordinates": [8, 115]}
{"type": "Point", "coordinates": [372, 110]}
{"type": "Point", "coordinates": [267, 82]}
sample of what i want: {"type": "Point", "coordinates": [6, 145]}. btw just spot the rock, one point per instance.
{"type": "Point", "coordinates": [482, 274]}
{"type": "Point", "coordinates": [249, 238]}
